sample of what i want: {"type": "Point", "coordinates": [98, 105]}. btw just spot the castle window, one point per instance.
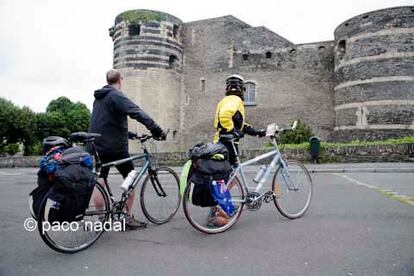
{"type": "Point", "coordinates": [250, 94]}
{"type": "Point", "coordinates": [134, 29]}
{"type": "Point", "coordinates": [202, 84]}
{"type": "Point", "coordinates": [172, 60]}
{"type": "Point", "coordinates": [292, 52]}
{"type": "Point", "coordinates": [245, 56]}
{"type": "Point", "coordinates": [268, 54]}
{"type": "Point", "coordinates": [175, 31]}
{"type": "Point", "coordinates": [342, 46]}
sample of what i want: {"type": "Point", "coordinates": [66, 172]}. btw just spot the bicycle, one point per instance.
{"type": "Point", "coordinates": [159, 198]}
{"type": "Point", "coordinates": [291, 184]}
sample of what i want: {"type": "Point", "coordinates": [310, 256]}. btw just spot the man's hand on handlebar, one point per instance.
{"type": "Point", "coordinates": [158, 134]}
{"type": "Point", "coordinates": [132, 135]}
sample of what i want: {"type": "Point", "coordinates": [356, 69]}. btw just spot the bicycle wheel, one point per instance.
{"type": "Point", "coordinates": [198, 216]}
{"type": "Point", "coordinates": [293, 190]}
{"type": "Point", "coordinates": [75, 236]}
{"type": "Point", "coordinates": [160, 195]}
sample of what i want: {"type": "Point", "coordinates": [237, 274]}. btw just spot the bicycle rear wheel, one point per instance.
{"type": "Point", "coordinates": [75, 236]}
{"type": "Point", "coordinates": [160, 195]}
{"type": "Point", "coordinates": [198, 216]}
{"type": "Point", "coordinates": [292, 187]}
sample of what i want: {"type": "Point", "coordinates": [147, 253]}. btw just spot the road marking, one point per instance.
{"type": "Point", "coordinates": [387, 192]}
{"type": "Point", "coordinates": [9, 173]}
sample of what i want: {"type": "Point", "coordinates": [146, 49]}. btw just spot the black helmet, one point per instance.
{"type": "Point", "coordinates": [235, 85]}
{"type": "Point", "coordinates": [53, 141]}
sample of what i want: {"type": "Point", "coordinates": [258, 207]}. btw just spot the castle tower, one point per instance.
{"type": "Point", "coordinates": [148, 51]}
{"type": "Point", "coordinates": [374, 68]}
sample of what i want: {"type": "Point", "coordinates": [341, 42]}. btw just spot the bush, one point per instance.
{"type": "Point", "coordinates": [12, 149]}
{"type": "Point", "coordinates": [301, 134]}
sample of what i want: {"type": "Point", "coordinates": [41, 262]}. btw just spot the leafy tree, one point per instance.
{"type": "Point", "coordinates": [63, 117]}
{"type": "Point", "coordinates": [23, 126]}
{"type": "Point", "coordinates": [17, 125]}
{"type": "Point", "coordinates": [61, 104]}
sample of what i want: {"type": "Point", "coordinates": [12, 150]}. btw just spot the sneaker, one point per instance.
{"type": "Point", "coordinates": [214, 219]}
{"type": "Point", "coordinates": [134, 224]}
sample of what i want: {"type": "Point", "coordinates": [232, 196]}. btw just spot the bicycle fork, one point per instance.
{"type": "Point", "coordinates": [156, 183]}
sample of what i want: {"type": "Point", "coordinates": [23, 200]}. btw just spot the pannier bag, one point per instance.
{"type": "Point", "coordinates": [208, 151]}
{"type": "Point", "coordinates": [204, 172]}
{"type": "Point", "coordinates": [73, 186]}
{"type": "Point", "coordinates": [53, 147]}
{"type": "Point", "coordinates": [67, 182]}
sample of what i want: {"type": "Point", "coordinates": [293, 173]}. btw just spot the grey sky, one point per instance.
{"type": "Point", "coordinates": [54, 48]}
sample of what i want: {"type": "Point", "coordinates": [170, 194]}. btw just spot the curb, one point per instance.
{"type": "Point", "coordinates": [370, 170]}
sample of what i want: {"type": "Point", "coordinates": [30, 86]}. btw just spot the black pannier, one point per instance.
{"type": "Point", "coordinates": [39, 194]}
{"type": "Point", "coordinates": [73, 187]}
{"type": "Point", "coordinates": [66, 180]}
{"type": "Point", "coordinates": [206, 168]}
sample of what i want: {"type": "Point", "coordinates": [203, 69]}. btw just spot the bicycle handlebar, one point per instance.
{"type": "Point", "coordinates": [272, 130]}
{"type": "Point", "coordinates": [143, 138]}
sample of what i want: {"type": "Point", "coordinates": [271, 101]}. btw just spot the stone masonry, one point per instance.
{"type": "Point", "coordinates": [358, 86]}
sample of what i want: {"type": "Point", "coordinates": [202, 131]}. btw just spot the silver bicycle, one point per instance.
{"type": "Point", "coordinates": [291, 188]}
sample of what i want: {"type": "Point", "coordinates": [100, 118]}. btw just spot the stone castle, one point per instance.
{"type": "Point", "coordinates": [358, 86]}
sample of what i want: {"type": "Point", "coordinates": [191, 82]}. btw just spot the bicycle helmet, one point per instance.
{"type": "Point", "coordinates": [54, 141]}
{"type": "Point", "coordinates": [235, 85]}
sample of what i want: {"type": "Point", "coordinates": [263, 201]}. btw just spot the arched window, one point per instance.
{"type": "Point", "coordinates": [250, 94]}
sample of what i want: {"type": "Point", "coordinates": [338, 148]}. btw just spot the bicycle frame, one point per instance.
{"type": "Point", "coordinates": [145, 167]}
{"type": "Point", "coordinates": [276, 161]}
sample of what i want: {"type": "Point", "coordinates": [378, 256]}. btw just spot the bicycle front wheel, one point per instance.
{"type": "Point", "coordinates": [292, 187]}
{"type": "Point", "coordinates": [160, 195]}
{"type": "Point", "coordinates": [199, 217]}
{"type": "Point", "coordinates": [74, 236]}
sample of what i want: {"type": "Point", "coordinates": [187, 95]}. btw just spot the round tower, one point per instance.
{"type": "Point", "coordinates": [374, 68]}
{"type": "Point", "coordinates": [148, 51]}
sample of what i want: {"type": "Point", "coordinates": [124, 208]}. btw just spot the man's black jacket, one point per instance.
{"type": "Point", "coordinates": [109, 118]}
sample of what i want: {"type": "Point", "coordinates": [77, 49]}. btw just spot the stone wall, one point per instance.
{"type": "Point", "coordinates": [359, 86]}
{"type": "Point", "coordinates": [148, 51]}
{"type": "Point", "coordinates": [374, 66]}
{"type": "Point", "coordinates": [375, 153]}
{"type": "Point", "coordinates": [292, 81]}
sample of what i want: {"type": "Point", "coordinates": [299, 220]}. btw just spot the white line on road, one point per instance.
{"type": "Point", "coordinates": [387, 192]}
{"type": "Point", "coordinates": [9, 173]}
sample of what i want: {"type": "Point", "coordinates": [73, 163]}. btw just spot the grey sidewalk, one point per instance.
{"type": "Point", "coordinates": [394, 167]}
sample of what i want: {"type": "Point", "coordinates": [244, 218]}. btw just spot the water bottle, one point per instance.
{"type": "Point", "coordinates": [128, 180]}
{"type": "Point", "coordinates": [260, 174]}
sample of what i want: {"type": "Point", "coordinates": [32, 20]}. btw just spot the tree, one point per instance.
{"type": "Point", "coordinates": [17, 125]}
{"type": "Point", "coordinates": [23, 126]}
{"type": "Point", "coordinates": [63, 117]}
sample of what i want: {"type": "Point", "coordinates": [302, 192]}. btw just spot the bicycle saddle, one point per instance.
{"type": "Point", "coordinates": [83, 136]}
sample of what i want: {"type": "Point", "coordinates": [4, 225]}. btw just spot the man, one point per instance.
{"type": "Point", "coordinates": [230, 119]}
{"type": "Point", "coordinates": [111, 109]}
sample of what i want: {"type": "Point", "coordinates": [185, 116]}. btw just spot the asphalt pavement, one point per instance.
{"type": "Point", "coordinates": [360, 222]}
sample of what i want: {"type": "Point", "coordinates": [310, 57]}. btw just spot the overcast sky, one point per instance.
{"type": "Point", "coordinates": [54, 48]}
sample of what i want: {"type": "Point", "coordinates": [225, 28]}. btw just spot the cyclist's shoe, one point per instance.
{"type": "Point", "coordinates": [134, 224]}
{"type": "Point", "coordinates": [221, 213]}
{"type": "Point", "coordinates": [214, 219]}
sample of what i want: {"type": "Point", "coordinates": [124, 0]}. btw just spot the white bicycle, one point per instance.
{"type": "Point", "coordinates": [291, 189]}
